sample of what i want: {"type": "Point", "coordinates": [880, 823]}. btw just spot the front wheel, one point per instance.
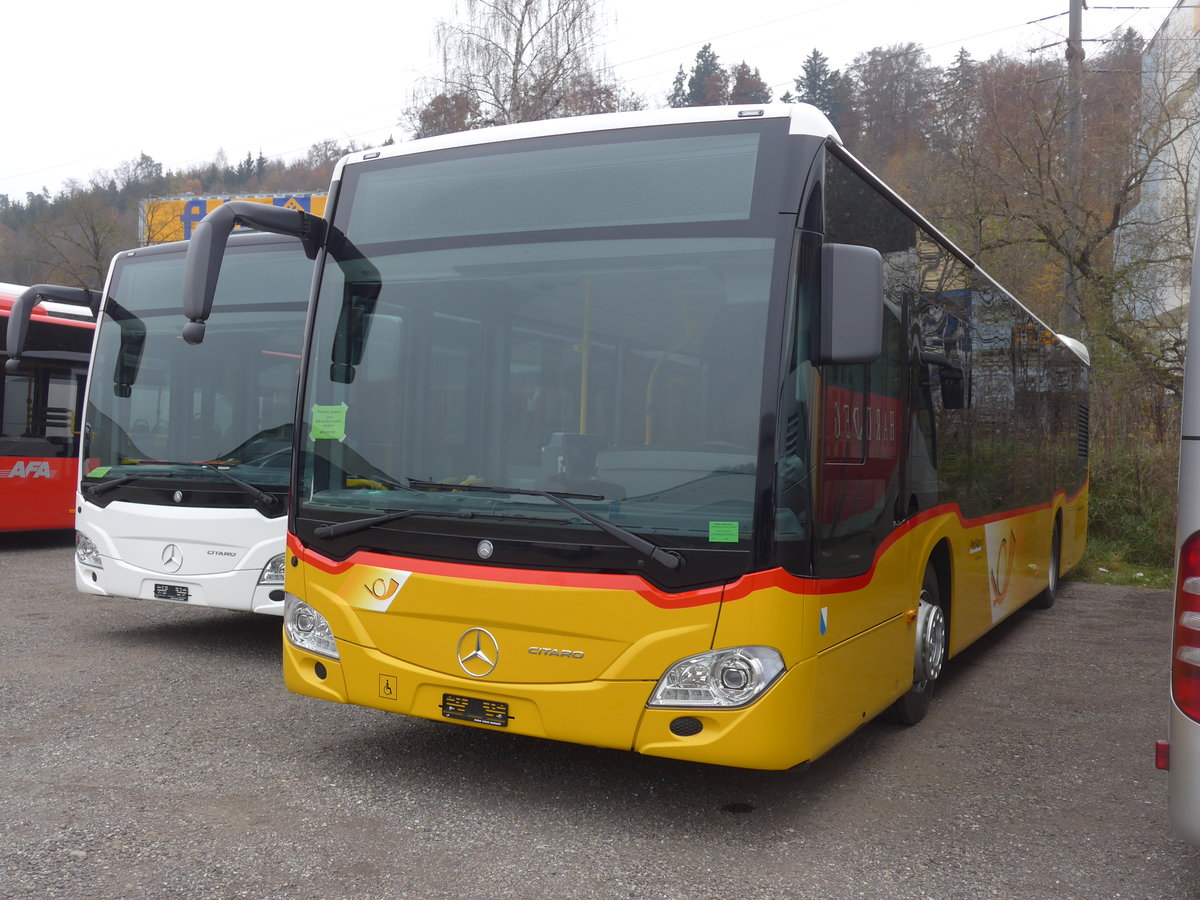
{"type": "Point", "coordinates": [929, 655]}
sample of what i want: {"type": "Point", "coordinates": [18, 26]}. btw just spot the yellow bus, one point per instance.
{"type": "Point", "coordinates": [669, 431]}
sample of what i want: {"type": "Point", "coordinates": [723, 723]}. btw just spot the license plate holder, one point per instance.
{"type": "Point", "coordinates": [177, 592]}
{"type": "Point", "coordinates": [475, 709]}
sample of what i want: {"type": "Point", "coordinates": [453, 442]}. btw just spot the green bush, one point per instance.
{"type": "Point", "coordinates": [1132, 500]}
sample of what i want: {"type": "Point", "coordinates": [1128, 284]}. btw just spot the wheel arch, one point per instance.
{"type": "Point", "coordinates": [941, 560]}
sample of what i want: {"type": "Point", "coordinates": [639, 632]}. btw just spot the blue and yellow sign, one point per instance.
{"type": "Point", "coordinates": [173, 218]}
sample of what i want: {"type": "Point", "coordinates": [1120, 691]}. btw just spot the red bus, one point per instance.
{"type": "Point", "coordinates": [46, 345]}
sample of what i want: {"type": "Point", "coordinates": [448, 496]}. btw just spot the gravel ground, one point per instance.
{"type": "Point", "coordinates": [150, 750]}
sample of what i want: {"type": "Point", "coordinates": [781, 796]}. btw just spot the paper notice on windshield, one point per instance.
{"type": "Point", "coordinates": [328, 423]}
{"type": "Point", "coordinates": [723, 532]}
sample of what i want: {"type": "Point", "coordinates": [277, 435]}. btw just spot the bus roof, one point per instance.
{"type": "Point", "coordinates": [804, 119]}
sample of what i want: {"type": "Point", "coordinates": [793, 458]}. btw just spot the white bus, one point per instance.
{"type": "Point", "coordinates": [1180, 753]}
{"type": "Point", "coordinates": [186, 451]}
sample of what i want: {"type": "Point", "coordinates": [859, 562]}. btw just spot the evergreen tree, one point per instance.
{"type": "Point", "coordinates": [446, 114]}
{"type": "Point", "coordinates": [748, 86]}
{"type": "Point", "coordinates": [958, 112]}
{"type": "Point", "coordinates": [709, 83]}
{"type": "Point", "coordinates": [820, 85]}
{"type": "Point", "coordinates": [894, 89]}
{"type": "Point", "coordinates": [679, 95]}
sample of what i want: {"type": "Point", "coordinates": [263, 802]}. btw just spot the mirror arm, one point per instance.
{"type": "Point", "coordinates": [206, 250]}
{"type": "Point", "coordinates": [22, 309]}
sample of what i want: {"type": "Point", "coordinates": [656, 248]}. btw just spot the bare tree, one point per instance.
{"type": "Point", "coordinates": [1002, 188]}
{"type": "Point", "coordinates": [510, 61]}
{"type": "Point", "coordinates": [77, 244]}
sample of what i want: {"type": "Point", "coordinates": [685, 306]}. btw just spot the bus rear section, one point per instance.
{"type": "Point", "coordinates": [187, 451]}
{"type": "Point", "coordinates": [1180, 753]}
{"type": "Point", "coordinates": [40, 413]}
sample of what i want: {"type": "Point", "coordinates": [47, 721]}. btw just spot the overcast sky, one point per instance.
{"type": "Point", "coordinates": [90, 85]}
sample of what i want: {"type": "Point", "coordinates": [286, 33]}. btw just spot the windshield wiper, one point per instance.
{"type": "Point", "coordinates": [267, 500]}
{"type": "Point", "coordinates": [666, 558]}
{"type": "Point", "coordinates": [95, 490]}
{"type": "Point", "coordinates": [341, 529]}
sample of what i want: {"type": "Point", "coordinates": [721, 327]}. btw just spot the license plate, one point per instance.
{"type": "Point", "coordinates": [171, 592]}
{"type": "Point", "coordinates": [473, 709]}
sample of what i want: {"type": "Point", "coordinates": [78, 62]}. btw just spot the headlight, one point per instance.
{"type": "Point", "coordinates": [272, 572]}
{"type": "Point", "coordinates": [719, 678]}
{"type": "Point", "coordinates": [307, 628]}
{"type": "Point", "coordinates": [87, 552]}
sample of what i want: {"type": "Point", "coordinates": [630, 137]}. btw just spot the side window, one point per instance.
{"type": "Point", "coordinates": [16, 405]}
{"type": "Point", "coordinates": [861, 416]}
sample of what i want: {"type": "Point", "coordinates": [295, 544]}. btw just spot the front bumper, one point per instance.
{"type": "Point", "coordinates": [770, 733]}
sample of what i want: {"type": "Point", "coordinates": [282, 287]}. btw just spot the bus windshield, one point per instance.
{"type": "Point", "coordinates": [158, 409]}
{"type": "Point", "coordinates": [586, 317]}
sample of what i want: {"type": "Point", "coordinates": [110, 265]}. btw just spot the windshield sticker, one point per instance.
{"type": "Point", "coordinates": [723, 532]}
{"type": "Point", "coordinates": [328, 423]}
{"type": "Point", "coordinates": [98, 472]}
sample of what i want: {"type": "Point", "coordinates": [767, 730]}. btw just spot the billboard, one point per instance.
{"type": "Point", "coordinates": [173, 218]}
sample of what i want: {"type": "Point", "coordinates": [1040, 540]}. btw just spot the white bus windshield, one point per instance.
{"type": "Point", "coordinates": [158, 408]}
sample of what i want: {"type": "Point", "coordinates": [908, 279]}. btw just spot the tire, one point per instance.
{"type": "Point", "coordinates": [928, 657]}
{"type": "Point", "coordinates": [1046, 598]}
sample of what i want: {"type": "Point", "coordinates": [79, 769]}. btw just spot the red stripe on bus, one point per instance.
{"type": "Point", "coordinates": [468, 572]}
{"type": "Point", "coordinates": [736, 590]}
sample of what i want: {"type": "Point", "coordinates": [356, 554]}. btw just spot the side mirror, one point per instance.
{"type": "Point", "coordinates": [206, 249]}
{"type": "Point", "coordinates": [129, 359]}
{"type": "Point", "coordinates": [851, 304]}
{"type": "Point", "coordinates": [22, 309]}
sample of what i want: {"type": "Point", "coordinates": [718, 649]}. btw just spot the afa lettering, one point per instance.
{"type": "Point", "coordinates": [33, 468]}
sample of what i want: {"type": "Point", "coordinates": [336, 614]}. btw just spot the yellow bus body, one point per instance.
{"type": "Point", "coordinates": [580, 654]}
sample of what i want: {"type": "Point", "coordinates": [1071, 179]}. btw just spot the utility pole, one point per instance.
{"type": "Point", "coordinates": [1071, 319]}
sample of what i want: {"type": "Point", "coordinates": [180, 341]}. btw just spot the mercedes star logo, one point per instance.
{"type": "Point", "coordinates": [172, 558]}
{"type": "Point", "coordinates": [478, 652]}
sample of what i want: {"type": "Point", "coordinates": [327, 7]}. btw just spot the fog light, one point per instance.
{"type": "Point", "coordinates": [686, 726]}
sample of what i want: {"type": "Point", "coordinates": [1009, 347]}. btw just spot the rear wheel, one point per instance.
{"type": "Point", "coordinates": [1046, 598]}
{"type": "Point", "coordinates": [929, 655]}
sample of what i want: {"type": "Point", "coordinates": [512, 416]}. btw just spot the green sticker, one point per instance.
{"type": "Point", "coordinates": [723, 532]}
{"type": "Point", "coordinates": [328, 423]}
{"type": "Point", "coordinates": [98, 472]}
